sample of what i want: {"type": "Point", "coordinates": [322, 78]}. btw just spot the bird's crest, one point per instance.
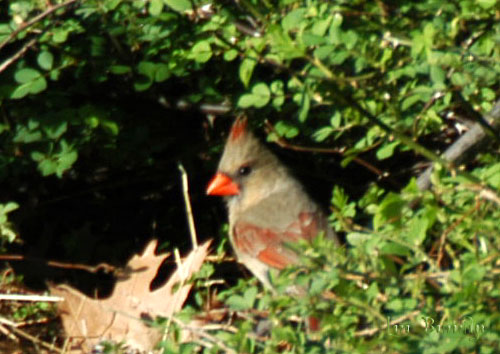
{"type": "Point", "coordinates": [238, 129]}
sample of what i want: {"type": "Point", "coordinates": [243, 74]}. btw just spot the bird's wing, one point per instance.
{"type": "Point", "coordinates": [268, 244]}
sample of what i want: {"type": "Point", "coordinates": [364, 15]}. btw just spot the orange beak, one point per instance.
{"type": "Point", "coordinates": [222, 184]}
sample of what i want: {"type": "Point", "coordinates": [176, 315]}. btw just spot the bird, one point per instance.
{"type": "Point", "coordinates": [267, 206]}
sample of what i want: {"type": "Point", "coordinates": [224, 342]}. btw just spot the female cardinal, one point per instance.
{"type": "Point", "coordinates": [267, 207]}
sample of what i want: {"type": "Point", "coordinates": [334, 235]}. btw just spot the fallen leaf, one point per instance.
{"type": "Point", "coordinates": [88, 321]}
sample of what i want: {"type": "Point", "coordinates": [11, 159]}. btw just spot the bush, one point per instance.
{"type": "Point", "coordinates": [95, 90]}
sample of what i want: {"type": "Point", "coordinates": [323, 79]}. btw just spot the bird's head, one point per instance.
{"type": "Point", "coordinates": [247, 169]}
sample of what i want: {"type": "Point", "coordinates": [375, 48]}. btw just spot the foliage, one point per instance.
{"type": "Point", "coordinates": [106, 83]}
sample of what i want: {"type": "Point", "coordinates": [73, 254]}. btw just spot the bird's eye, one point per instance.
{"type": "Point", "coordinates": [244, 170]}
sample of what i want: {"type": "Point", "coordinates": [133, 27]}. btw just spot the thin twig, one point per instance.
{"type": "Point", "coordinates": [8, 322]}
{"type": "Point", "coordinates": [16, 56]}
{"type": "Point", "coordinates": [200, 332]}
{"type": "Point", "coordinates": [33, 339]}
{"type": "Point", "coordinates": [8, 334]}
{"type": "Point", "coordinates": [189, 210]}
{"type": "Point", "coordinates": [92, 269]}
{"type": "Point", "coordinates": [34, 298]}
{"type": "Point", "coordinates": [280, 141]}
{"type": "Point", "coordinates": [34, 20]}
{"type": "Point", "coordinates": [459, 151]}
{"type": "Point", "coordinates": [449, 229]}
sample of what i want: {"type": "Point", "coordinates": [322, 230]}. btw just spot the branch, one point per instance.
{"type": "Point", "coordinates": [16, 56]}
{"type": "Point", "coordinates": [92, 269]}
{"type": "Point", "coordinates": [189, 210]}
{"type": "Point", "coordinates": [461, 150]}
{"type": "Point", "coordinates": [36, 341]}
{"type": "Point", "coordinates": [34, 20]}
{"type": "Point", "coordinates": [32, 298]}
{"type": "Point", "coordinates": [280, 141]}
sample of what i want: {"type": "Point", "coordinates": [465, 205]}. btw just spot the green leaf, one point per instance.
{"type": "Point", "coordinates": [55, 132]}
{"type": "Point", "coordinates": [244, 302]}
{"type": "Point", "coordinates": [110, 126]}
{"type": "Point", "coordinates": [473, 273]}
{"type": "Point", "coordinates": [178, 5]}
{"type": "Point", "coordinates": [338, 57]}
{"type": "Point", "coordinates": [201, 52]}
{"type": "Point", "coordinates": [60, 35]}
{"type": "Point", "coordinates": [230, 54]}
{"type": "Point", "coordinates": [324, 51]}
{"type": "Point", "coordinates": [322, 133]}
{"type": "Point", "coordinates": [487, 4]}
{"type": "Point", "coordinates": [259, 96]}
{"type": "Point", "coordinates": [246, 70]}
{"type": "Point", "coordinates": [66, 160]}
{"type": "Point", "coordinates": [417, 230]}
{"type": "Point", "coordinates": [401, 305]}
{"type": "Point", "coordinates": [283, 44]}
{"type": "Point", "coordinates": [120, 69]}
{"type": "Point", "coordinates": [293, 19]}
{"type": "Point", "coordinates": [155, 7]}
{"type": "Point", "coordinates": [320, 27]}
{"type": "Point", "coordinates": [389, 210]}
{"type": "Point", "coordinates": [26, 75]}
{"type": "Point", "coordinates": [246, 100]}
{"type": "Point", "coordinates": [162, 72]}
{"type": "Point", "coordinates": [5, 31]}
{"type": "Point", "coordinates": [36, 83]}
{"type": "Point", "coordinates": [147, 68]}
{"type": "Point", "coordinates": [394, 249]}
{"type": "Point", "coordinates": [262, 94]}
{"type": "Point", "coordinates": [45, 60]}
{"type": "Point", "coordinates": [358, 238]}
{"type": "Point", "coordinates": [8, 207]}
{"type": "Point", "coordinates": [350, 38]}
{"type": "Point", "coordinates": [305, 104]}
{"type": "Point", "coordinates": [277, 89]}
{"type": "Point", "coordinates": [437, 74]}
{"type": "Point", "coordinates": [27, 135]}
{"type": "Point", "coordinates": [286, 130]}
{"type": "Point", "coordinates": [20, 91]}
{"type": "Point", "coordinates": [309, 39]}
{"type": "Point", "coordinates": [386, 150]}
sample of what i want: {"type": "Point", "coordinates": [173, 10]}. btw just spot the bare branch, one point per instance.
{"type": "Point", "coordinates": [16, 56]}
{"type": "Point", "coordinates": [34, 20]}
{"type": "Point", "coordinates": [461, 149]}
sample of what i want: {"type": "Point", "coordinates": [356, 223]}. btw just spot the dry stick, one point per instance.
{"type": "Point", "coordinates": [34, 20]}
{"type": "Point", "coordinates": [192, 232]}
{"type": "Point", "coordinates": [34, 298]}
{"type": "Point", "coordinates": [92, 269]}
{"type": "Point", "coordinates": [16, 56]}
{"type": "Point", "coordinates": [189, 210]}
{"type": "Point", "coordinates": [205, 335]}
{"type": "Point", "coordinates": [33, 339]}
{"type": "Point", "coordinates": [458, 151]}
{"type": "Point", "coordinates": [8, 334]}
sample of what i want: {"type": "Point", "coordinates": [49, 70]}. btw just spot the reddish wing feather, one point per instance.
{"type": "Point", "coordinates": [269, 245]}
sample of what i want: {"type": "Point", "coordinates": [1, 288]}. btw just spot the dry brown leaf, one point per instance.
{"type": "Point", "coordinates": [88, 321]}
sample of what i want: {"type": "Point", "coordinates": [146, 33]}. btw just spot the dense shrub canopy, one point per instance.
{"type": "Point", "coordinates": [100, 100]}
